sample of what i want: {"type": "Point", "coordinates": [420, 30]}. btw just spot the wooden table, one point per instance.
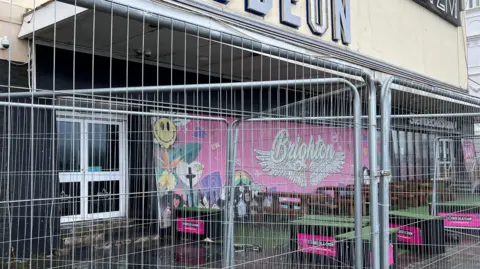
{"type": "Point", "coordinates": [322, 204]}
{"type": "Point", "coordinates": [346, 202]}
{"type": "Point", "coordinates": [365, 197]}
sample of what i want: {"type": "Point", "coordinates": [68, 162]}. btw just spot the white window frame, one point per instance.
{"type": "Point", "coordinates": [84, 120]}
{"type": "Point", "coordinates": [472, 3]}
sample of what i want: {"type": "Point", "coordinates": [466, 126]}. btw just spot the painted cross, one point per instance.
{"type": "Point", "coordinates": [190, 177]}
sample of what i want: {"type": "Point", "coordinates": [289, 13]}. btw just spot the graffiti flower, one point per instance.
{"type": "Point", "coordinates": [164, 161]}
{"type": "Point", "coordinates": [167, 180]}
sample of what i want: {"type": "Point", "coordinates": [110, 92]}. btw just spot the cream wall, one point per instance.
{"type": "Point", "coordinates": [11, 17]}
{"type": "Point", "coordinates": [399, 32]}
{"type": "Point", "coordinates": [25, 3]}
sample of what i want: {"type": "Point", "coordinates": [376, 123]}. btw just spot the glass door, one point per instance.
{"type": "Point", "coordinates": [69, 145]}
{"type": "Point", "coordinates": [92, 169]}
{"type": "Point", "coordinates": [446, 159]}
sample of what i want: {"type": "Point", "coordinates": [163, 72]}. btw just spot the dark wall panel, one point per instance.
{"type": "Point", "coordinates": [31, 180]}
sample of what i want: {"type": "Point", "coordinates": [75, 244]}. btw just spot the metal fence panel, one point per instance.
{"type": "Point", "coordinates": [146, 141]}
{"type": "Point", "coordinates": [139, 140]}
{"type": "Point", "coordinates": [430, 183]}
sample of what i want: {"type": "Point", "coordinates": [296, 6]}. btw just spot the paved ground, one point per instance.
{"type": "Point", "coordinates": [464, 254]}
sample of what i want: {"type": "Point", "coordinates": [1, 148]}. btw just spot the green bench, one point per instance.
{"type": "Point", "coordinates": [334, 219]}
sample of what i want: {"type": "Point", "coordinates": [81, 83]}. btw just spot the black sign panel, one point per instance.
{"type": "Point", "coordinates": [449, 10]}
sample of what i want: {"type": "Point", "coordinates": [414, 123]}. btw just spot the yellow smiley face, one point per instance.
{"type": "Point", "coordinates": [165, 132]}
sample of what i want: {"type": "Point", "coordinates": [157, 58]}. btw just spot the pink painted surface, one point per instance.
{"type": "Point", "coordinates": [192, 226]}
{"type": "Point", "coordinates": [205, 144]}
{"type": "Point", "coordinates": [468, 148]}
{"type": "Point", "coordinates": [467, 220]}
{"type": "Point", "coordinates": [212, 136]}
{"type": "Point", "coordinates": [408, 234]}
{"type": "Point", "coordinates": [317, 244]}
{"type": "Point", "coordinates": [312, 160]}
{"type": "Point", "coordinates": [390, 255]}
{"type": "Point", "coordinates": [254, 136]}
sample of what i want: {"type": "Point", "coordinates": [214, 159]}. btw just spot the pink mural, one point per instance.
{"type": "Point", "coordinates": [292, 157]}
{"type": "Point", "coordinates": [193, 167]}
{"type": "Point", "coordinates": [191, 158]}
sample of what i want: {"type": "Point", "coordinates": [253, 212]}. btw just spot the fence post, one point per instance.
{"type": "Point", "coordinates": [358, 182]}
{"type": "Point", "coordinates": [228, 235]}
{"type": "Point", "coordinates": [386, 108]}
{"type": "Point", "coordinates": [435, 176]}
{"type": "Point", "coordinates": [372, 148]}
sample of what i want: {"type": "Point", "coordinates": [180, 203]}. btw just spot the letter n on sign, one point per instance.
{"type": "Point", "coordinates": [341, 21]}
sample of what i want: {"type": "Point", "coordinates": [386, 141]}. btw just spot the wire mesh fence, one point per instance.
{"type": "Point", "coordinates": [432, 160]}
{"type": "Point", "coordinates": [146, 141]}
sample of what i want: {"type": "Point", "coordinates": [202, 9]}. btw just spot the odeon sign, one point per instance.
{"type": "Point", "coordinates": [316, 14]}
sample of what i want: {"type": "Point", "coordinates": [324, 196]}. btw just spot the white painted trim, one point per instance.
{"type": "Point", "coordinates": [169, 11]}
{"type": "Point", "coordinates": [73, 115]}
{"type": "Point", "coordinates": [84, 177]}
{"type": "Point", "coordinates": [44, 17]}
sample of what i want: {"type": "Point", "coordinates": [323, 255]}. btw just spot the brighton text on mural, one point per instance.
{"type": "Point", "coordinates": [283, 149]}
{"type": "Point", "coordinates": [299, 160]}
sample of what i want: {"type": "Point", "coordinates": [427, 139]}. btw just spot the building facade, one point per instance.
{"type": "Point", "coordinates": [103, 143]}
{"type": "Point", "coordinates": [473, 43]}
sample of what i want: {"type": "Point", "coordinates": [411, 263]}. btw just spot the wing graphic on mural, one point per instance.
{"type": "Point", "coordinates": [294, 171]}
{"type": "Point", "coordinates": [321, 168]}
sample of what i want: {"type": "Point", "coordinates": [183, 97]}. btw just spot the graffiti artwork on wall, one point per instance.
{"type": "Point", "coordinates": [190, 162]}
{"type": "Point", "coordinates": [246, 198]}
{"type": "Point", "coordinates": [298, 157]}
{"type": "Point", "coordinates": [188, 171]}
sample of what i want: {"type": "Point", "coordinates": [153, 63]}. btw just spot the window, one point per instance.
{"type": "Point", "coordinates": [413, 155]}
{"type": "Point", "coordinates": [473, 3]}
{"type": "Point", "coordinates": [91, 154]}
